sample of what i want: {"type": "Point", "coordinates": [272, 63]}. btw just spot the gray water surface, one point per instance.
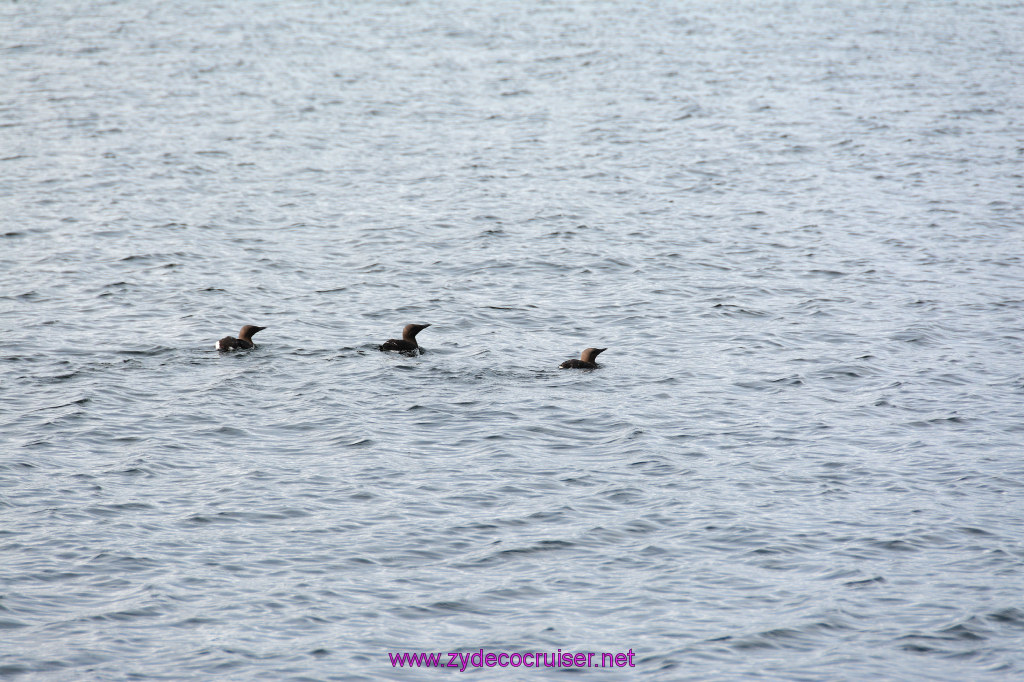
{"type": "Point", "coordinates": [797, 227]}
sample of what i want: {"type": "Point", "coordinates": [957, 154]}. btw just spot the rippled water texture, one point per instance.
{"type": "Point", "coordinates": [796, 226]}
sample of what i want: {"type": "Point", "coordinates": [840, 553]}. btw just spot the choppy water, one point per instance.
{"type": "Point", "coordinates": [795, 225]}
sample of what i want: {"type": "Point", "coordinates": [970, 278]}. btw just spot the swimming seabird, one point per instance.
{"type": "Point", "coordinates": [244, 340]}
{"type": "Point", "coordinates": [586, 361]}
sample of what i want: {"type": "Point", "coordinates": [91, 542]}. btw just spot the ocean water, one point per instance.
{"type": "Point", "coordinates": [796, 226]}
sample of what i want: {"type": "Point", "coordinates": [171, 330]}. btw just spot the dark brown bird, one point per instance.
{"type": "Point", "coordinates": [244, 340]}
{"type": "Point", "coordinates": [407, 343]}
{"type": "Point", "coordinates": [586, 361]}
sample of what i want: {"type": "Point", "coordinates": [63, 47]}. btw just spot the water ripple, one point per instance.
{"type": "Point", "coordinates": [797, 236]}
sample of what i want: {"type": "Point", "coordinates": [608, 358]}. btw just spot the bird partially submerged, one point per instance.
{"type": "Point", "coordinates": [406, 344]}
{"type": "Point", "coordinates": [244, 340]}
{"type": "Point", "coordinates": [587, 360]}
